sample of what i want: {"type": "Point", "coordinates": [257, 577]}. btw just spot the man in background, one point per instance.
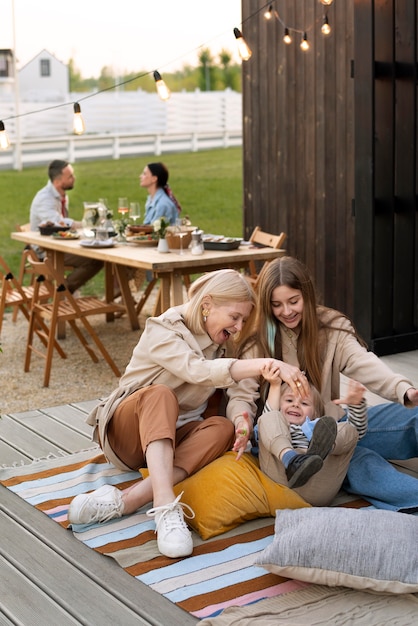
{"type": "Point", "coordinates": [50, 204]}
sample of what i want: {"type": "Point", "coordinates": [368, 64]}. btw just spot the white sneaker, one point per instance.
{"type": "Point", "coordinates": [101, 505]}
{"type": "Point", "coordinates": [174, 539]}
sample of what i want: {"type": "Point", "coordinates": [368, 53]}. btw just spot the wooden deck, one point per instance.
{"type": "Point", "coordinates": [48, 577]}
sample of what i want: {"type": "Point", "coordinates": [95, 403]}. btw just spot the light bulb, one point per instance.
{"type": "Point", "coordinates": [162, 89]}
{"type": "Point", "coordinates": [286, 37]}
{"type": "Point", "coordinates": [326, 2]}
{"type": "Point", "coordinates": [269, 14]}
{"type": "Point", "coordinates": [325, 28]}
{"type": "Point", "coordinates": [78, 122]}
{"type": "Point", "coordinates": [243, 49]}
{"type": "Point", "coordinates": [304, 44]}
{"type": "Point", "coordinates": [4, 139]}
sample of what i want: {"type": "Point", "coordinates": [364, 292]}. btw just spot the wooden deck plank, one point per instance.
{"type": "Point", "coordinates": [25, 441]}
{"type": "Point", "coordinates": [117, 597]}
{"type": "Point", "coordinates": [37, 608]}
{"type": "Point", "coordinates": [54, 432]}
{"type": "Point", "coordinates": [65, 414]}
{"type": "Point", "coordinates": [10, 456]}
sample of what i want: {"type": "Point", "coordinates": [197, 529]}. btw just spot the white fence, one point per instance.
{"type": "Point", "coordinates": [121, 124]}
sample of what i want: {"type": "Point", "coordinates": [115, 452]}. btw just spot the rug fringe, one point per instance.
{"type": "Point", "coordinates": [49, 457]}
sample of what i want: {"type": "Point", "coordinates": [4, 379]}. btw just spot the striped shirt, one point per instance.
{"type": "Point", "coordinates": [356, 415]}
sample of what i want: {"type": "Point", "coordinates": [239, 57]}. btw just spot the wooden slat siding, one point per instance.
{"type": "Point", "coordinates": [90, 589]}
{"type": "Point", "coordinates": [364, 150]}
{"type": "Point", "coordinates": [342, 19]}
{"type": "Point", "coordinates": [384, 132]}
{"type": "Point", "coordinates": [311, 199]}
{"type": "Point", "coordinates": [345, 175]}
{"type": "Point", "coordinates": [405, 168]}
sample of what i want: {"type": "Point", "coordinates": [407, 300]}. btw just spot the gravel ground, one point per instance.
{"type": "Point", "coordinates": [74, 379]}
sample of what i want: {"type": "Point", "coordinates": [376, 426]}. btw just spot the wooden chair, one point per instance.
{"type": "Point", "coordinates": [261, 238]}
{"type": "Point", "coordinates": [15, 295]}
{"type": "Point", "coordinates": [63, 308]}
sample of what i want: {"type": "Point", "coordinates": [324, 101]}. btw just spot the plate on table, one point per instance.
{"type": "Point", "coordinates": [66, 234]}
{"type": "Point", "coordinates": [140, 229]}
{"type": "Point", "coordinates": [218, 242]}
{"type": "Point", "coordinates": [142, 240]}
{"type": "Point", "coordinates": [97, 243]}
{"type": "Point", "coordinates": [51, 229]}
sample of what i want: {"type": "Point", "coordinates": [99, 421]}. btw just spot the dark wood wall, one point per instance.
{"type": "Point", "coordinates": [313, 164]}
{"type": "Point", "coordinates": [386, 224]}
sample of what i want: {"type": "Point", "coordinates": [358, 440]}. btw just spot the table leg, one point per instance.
{"type": "Point", "coordinates": [109, 288]}
{"type": "Point", "coordinates": [176, 288]}
{"type": "Point", "coordinates": [165, 288]}
{"type": "Point", "coordinates": [128, 300]}
{"type": "Point", "coordinates": [57, 259]}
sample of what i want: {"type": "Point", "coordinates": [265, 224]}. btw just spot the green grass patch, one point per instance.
{"type": "Point", "coordinates": [207, 184]}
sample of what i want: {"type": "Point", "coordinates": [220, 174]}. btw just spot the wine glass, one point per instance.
{"type": "Point", "coordinates": [123, 206]}
{"type": "Point", "coordinates": [134, 211]}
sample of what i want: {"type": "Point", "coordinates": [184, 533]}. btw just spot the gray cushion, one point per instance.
{"type": "Point", "coordinates": [357, 548]}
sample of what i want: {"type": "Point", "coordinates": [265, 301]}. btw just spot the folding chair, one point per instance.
{"type": "Point", "coordinates": [15, 295]}
{"type": "Point", "coordinates": [64, 308]}
{"type": "Point", "coordinates": [261, 238]}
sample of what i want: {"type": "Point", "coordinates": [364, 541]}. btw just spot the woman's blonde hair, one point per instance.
{"type": "Point", "coordinates": [222, 287]}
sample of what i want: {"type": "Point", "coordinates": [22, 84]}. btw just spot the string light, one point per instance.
{"type": "Point", "coordinates": [162, 89]}
{"type": "Point", "coordinates": [286, 37]}
{"type": "Point", "coordinates": [243, 48]}
{"type": "Point", "coordinates": [4, 139]}
{"type": "Point", "coordinates": [325, 28]}
{"type": "Point", "coordinates": [269, 13]}
{"type": "Point", "coordinates": [78, 122]}
{"type": "Point", "coordinates": [304, 44]}
{"type": "Point", "coordinates": [288, 30]}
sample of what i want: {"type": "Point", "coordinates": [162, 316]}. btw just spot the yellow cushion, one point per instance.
{"type": "Point", "coordinates": [227, 493]}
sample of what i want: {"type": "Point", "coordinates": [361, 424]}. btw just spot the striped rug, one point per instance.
{"type": "Point", "coordinates": [220, 573]}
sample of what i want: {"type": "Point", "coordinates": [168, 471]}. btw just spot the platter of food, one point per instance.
{"type": "Point", "coordinates": [66, 234]}
{"type": "Point", "coordinates": [143, 240]}
{"type": "Point", "coordinates": [219, 242]}
{"type": "Point", "coordinates": [51, 229]}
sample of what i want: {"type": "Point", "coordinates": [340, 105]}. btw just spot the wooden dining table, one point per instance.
{"type": "Point", "coordinates": [169, 268]}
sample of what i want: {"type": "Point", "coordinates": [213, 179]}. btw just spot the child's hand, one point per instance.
{"type": "Point", "coordinates": [271, 373]}
{"type": "Point", "coordinates": [355, 393]}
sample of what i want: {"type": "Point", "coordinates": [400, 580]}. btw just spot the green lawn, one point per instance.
{"type": "Point", "coordinates": [207, 184]}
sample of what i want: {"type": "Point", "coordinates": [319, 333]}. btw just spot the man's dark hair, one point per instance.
{"type": "Point", "coordinates": [55, 168]}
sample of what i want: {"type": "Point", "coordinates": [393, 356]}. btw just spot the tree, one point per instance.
{"type": "Point", "coordinates": [206, 70]}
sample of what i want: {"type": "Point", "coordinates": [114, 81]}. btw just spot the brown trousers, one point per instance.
{"type": "Point", "coordinates": [83, 270]}
{"type": "Point", "coordinates": [150, 414]}
{"type": "Point", "coordinates": [320, 490]}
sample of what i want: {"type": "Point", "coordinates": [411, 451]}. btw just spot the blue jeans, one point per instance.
{"type": "Point", "coordinates": [392, 434]}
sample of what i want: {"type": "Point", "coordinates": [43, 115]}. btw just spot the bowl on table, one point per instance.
{"type": "Point", "coordinates": [139, 229]}
{"type": "Point", "coordinates": [50, 229]}
{"type": "Point", "coordinates": [175, 242]}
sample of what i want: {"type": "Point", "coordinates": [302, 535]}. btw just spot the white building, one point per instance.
{"type": "Point", "coordinates": [44, 79]}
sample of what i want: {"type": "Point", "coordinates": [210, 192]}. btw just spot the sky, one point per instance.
{"type": "Point", "coordinates": [125, 35]}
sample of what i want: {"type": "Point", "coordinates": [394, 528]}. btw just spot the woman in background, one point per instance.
{"type": "Point", "coordinates": [161, 201]}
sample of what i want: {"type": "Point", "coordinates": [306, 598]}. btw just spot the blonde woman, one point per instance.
{"type": "Point", "coordinates": [156, 416]}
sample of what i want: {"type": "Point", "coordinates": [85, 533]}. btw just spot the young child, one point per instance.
{"type": "Point", "coordinates": [308, 430]}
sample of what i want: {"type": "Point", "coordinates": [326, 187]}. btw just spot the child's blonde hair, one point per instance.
{"type": "Point", "coordinates": [317, 402]}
